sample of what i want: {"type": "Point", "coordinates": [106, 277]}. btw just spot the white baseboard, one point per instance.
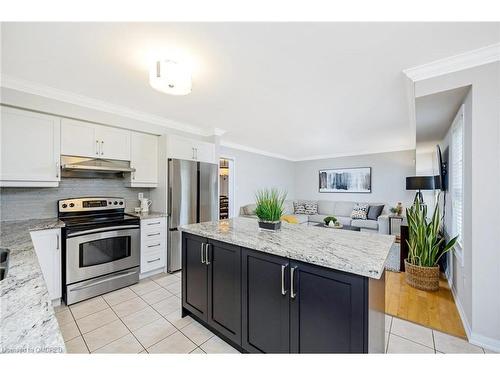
{"type": "Point", "coordinates": [473, 338]}
{"type": "Point", "coordinates": [485, 342]}
{"type": "Point", "coordinates": [151, 273]}
{"type": "Point", "coordinates": [461, 312]}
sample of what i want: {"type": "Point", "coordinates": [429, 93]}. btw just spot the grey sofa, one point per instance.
{"type": "Point", "coordinates": [340, 209]}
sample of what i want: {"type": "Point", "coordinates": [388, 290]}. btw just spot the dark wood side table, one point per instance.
{"type": "Point", "coordinates": [391, 219]}
{"type": "Point", "coordinates": [403, 253]}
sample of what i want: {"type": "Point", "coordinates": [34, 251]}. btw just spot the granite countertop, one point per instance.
{"type": "Point", "coordinates": [359, 253]}
{"type": "Point", "coordinates": [27, 321]}
{"type": "Point", "coordinates": [149, 215]}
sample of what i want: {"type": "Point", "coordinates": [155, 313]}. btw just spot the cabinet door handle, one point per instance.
{"type": "Point", "coordinates": [192, 150]}
{"type": "Point", "coordinates": [155, 223]}
{"type": "Point", "coordinates": [96, 147]}
{"type": "Point", "coordinates": [207, 252]}
{"type": "Point", "coordinates": [57, 169]}
{"type": "Point", "coordinates": [196, 153]}
{"type": "Point", "coordinates": [292, 282]}
{"type": "Point", "coordinates": [283, 268]}
{"type": "Point", "coordinates": [57, 244]}
{"type": "Point", "coordinates": [154, 234]}
{"type": "Point", "coordinates": [156, 245]}
{"type": "Point", "coordinates": [102, 147]}
{"type": "Point", "coordinates": [154, 260]}
{"type": "Point", "coordinates": [202, 252]}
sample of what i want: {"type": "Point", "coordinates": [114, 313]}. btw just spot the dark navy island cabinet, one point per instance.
{"type": "Point", "coordinates": [263, 303]}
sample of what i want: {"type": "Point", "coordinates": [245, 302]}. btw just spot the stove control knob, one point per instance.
{"type": "Point", "coordinates": [110, 202]}
{"type": "Point", "coordinates": [64, 205]}
{"type": "Point", "coordinates": [121, 203]}
{"type": "Point", "coordinates": [72, 205]}
{"type": "Point", "coordinates": [115, 202]}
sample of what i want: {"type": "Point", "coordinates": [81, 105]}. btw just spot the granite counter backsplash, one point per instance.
{"type": "Point", "coordinates": [27, 321]}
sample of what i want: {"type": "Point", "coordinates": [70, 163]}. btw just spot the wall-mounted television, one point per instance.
{"type": "Point", "coordinates": [441, 178]}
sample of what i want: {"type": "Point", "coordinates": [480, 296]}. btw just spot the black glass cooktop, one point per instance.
{"type": "Point", "coordinates": [106, 219]}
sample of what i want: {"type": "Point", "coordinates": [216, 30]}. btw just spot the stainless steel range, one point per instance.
{"type": "Point", "coordinates": [101, 247]}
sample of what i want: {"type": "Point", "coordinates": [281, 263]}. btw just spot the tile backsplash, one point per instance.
{"type": "Point", "coordinates": [39, 203]}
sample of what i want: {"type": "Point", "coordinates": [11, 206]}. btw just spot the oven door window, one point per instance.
{"type": "Point", "coordinates": [104, 250]}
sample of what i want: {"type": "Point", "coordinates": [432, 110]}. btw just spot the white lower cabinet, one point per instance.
{"type": "Point", "coordinates": [153, 244]}
{"type": "Point", "coordinates": [47, 245]}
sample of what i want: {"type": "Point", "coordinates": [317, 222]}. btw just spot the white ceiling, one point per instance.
{"type": "Point", "coordinates": [293, 89]}
{"type": "Point", "coordinates": [435, 113]}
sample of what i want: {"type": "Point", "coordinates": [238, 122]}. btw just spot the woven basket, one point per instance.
{"type": "Point", "coordinates": [423, 278]}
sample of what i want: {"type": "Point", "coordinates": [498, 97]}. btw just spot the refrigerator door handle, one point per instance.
{"type": "Point", "coordinates": [169, 203]}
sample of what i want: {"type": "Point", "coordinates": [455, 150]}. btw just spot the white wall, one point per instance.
{"type": "Point", "coordinates": [254, 172]}
{"type": "Point", "coordinates": [388, 177]}
{"type": "Point", "coordinates": [461, 269]}
{"type": "Point", "coordinates": [481, 227]}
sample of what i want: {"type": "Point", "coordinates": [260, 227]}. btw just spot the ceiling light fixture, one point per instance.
{"type": "Point", "coordinates": [170, 77]}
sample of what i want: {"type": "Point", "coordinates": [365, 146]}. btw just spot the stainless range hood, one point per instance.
{"type": "Point", "coordinates": [73, 166]}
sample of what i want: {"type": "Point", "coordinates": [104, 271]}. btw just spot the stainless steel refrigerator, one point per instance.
{"type": "Point", "coordinates": [192, 198]}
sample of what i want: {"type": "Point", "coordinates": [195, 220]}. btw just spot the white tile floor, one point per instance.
{"type": "Point", "coordinates": [146, 318]}
{"type": "Point", "coordinates": [406, 337]}
{"type": "Point", "coordinates": [143, 318]}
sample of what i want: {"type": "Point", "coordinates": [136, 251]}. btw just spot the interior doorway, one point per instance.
{"type": "Point", "coordinates": [226, 188]}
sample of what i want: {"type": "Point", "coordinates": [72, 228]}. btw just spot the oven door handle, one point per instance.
{"type": "Point", "coordinates": [104, 229]}
{"type": "Point", "coordinates": [104, 280]}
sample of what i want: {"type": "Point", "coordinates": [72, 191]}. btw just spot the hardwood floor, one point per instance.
{"type": "Point", "coordinates": [435, 310]}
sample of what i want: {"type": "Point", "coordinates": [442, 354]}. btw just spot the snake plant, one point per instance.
{"type": "Point", "coordinates": [426, 244]}
{"type": "Point", "coordinates": [270, 204]}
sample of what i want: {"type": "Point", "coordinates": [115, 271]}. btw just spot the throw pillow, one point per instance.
{"type": "Point", "coordinates": [374, 212]}
{"type": "Point", "coordinates": [311, 208]}
{"type": "Point", "coordinates": [290, 219]}
{"type": "Point", "coordinates": [299, 208]}
{"type": "Point", "coordinates": [359, 211]}
{"type": "Point", "coordinates": [249, 209]}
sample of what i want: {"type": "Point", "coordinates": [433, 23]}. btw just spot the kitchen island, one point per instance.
{"type": "Point", "coordinates": [298, 290]}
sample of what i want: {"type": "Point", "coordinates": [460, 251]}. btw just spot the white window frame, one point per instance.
{"type": "Point", "coordinates": [459, 120]}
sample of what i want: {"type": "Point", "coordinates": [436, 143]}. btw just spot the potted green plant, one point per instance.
{"type": "Point", "coordinates": [426, 245]}
{"type": "Point", "coordinates": [269, 208]}
{"type": "Point", "coordinates": [330, 219]}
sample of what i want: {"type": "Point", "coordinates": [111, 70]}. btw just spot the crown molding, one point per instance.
{"type": "Point", "coordinates": [88, 102]}
{"type": "Point", "coordinates": [219, 132]}
{"type": "Point", "coordinates": [347, 154]}
{"type": "Point", "coordinates": [241, 147]}
{"type": "Point", "coordinates": [96, 104]}
{"type": "Point", "coordinates": [466, 60]}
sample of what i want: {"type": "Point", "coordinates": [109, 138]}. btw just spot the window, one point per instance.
{"type": "Point", "coordinates": [457, 194]}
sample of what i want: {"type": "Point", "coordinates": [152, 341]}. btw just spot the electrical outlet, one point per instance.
{"type": "Point", "coordinates": [140, 195]}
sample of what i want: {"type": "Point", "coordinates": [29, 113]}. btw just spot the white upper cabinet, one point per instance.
{"type": "Point", "coordinates": [30, 148]}
{"type": "Point", "coordinates": [114, 143]}
{"type": "Point", "coordinates": [189, 149]}
{"type": "Point", "coordinates": [144, 158]}
{"type": "Point", "coordinates": [80, 138]}
{"type": "Point", "coordinates": [205, 152]}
